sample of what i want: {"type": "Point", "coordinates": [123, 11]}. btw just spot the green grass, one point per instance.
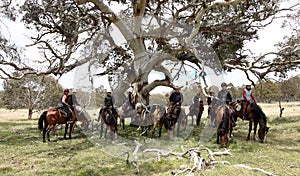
{"type": "Point", "coordinates": [24, 153]}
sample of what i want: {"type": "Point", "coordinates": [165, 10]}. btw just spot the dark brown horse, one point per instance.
{"type": "Point", "coordinates": [53, 116]}
{"type": "Point", "coordinates": [223, 122]}
{"type": "Point", "coordinates": [257, 116]}
{"type": "Point", "coordinates": [196, 110]}
{"type": "Point", "coordinates": [107, 117]}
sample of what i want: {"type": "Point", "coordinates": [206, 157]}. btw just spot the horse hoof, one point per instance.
{"type": "Point", "coordinates": [44, 140]}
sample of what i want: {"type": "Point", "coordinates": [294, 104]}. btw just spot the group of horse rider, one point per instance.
{"type": "Point", "coordinates": [175, 101]}
{"type": "Point", "coordinates": [224, 98]}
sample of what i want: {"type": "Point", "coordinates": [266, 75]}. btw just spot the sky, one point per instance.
{"type": "Point", "coordinates": [268, 37]}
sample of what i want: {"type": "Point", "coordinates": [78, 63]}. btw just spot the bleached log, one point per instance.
{"type": "Point", "coordinates": [254, 169]}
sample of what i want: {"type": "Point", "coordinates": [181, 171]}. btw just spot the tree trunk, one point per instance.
{"type": "Point", "coordinates": [30, 112]}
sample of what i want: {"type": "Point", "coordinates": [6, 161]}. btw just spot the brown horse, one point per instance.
{"type": "Point", "coordinates": [223, 121]}
{"type": "Point", "coordinates": [107, 117]}
{"type": "Point", "coordinates": [196, 110]}
{"type": "Point", "coordinates": [257, 116]}
{"type": "Point", "coordinates": [150, 117]}
{"type": "Point", "coordinates": [50, 118]}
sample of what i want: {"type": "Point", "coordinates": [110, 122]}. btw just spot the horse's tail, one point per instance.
{"type": "Point", "coordinates": [41, 119]}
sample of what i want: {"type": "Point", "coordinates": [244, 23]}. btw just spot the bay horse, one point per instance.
{"type": "Point", "coordinates": [107, 117]}
{"type": "Point", "coordinates": [53, 116]}
{"type": "Point", "coordinates": [257, 116]}
{"type": "Point", "coordinates": [196, 109]}
{"type": "Point", "coordinates": [224, 124]}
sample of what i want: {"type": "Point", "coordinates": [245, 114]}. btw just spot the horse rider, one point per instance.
{"type": "Point", "coordinates": [247, 97]}
{"type": "Point", "coordinates": [65, 106]}
{"type": "Point", "coordinates": [175, 99]}
{"type": "Point", "coordinates": [225, 97]}
{"type": "Point", "coordinates": [109, 103]}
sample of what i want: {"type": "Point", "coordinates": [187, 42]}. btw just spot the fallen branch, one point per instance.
{"type": "Point", "coordinates": [254, 169]}
{"type": "Point", "coordinates": [194, 154]}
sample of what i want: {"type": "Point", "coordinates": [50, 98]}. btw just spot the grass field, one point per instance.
{"type": "Point", "coordinates": [24, 153]}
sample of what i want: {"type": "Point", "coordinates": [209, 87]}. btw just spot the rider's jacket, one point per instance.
{"type": "Point", "coordinates": [108, 101]}
{"type": "Point", "coordinates": [225, 96]}
{"type": "Point", "coordinates": [247, 95]}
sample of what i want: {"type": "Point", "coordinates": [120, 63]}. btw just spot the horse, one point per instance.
{"type": "Point", "coordinates": [147, 118]}
{"type": "Point", "coordinates": [82, 116]}
{"type": "Point", "coordinates": [126, 111]}
{"type": "Point", "coordinates": [106, 116]}
{"type": "Point", "coordinates": [196, 110]}
{"type": "Point", "coordinates": [257, 116]}
{"type": "Point", "coordinates": [53, 116]}
{"type": "Point", "coordinates": [172, 118]}
{"type": "Point", "coordinates": [224, 124]}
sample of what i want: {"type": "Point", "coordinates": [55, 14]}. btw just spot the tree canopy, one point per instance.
{"type": "Point", "coordinates": [171, 37]}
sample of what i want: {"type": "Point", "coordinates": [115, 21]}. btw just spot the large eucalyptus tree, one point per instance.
{"type": "Point", "coordinates": [131, 39]}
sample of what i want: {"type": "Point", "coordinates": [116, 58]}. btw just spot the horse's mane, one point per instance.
{"type": "Point", "coordinates": [257, 110]}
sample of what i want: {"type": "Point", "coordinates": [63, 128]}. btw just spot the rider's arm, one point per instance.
{"type": "Point", "coordinates": [252, 96]}
{"type": "Point", "coordinates": [244, 95]}
{"type": "Point", "coordinates": [64, 98]}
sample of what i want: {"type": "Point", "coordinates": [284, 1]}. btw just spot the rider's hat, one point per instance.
{"type": "Point", "coordinates": [66, 90]}
{"type": "Point", "coordinates": [223, 84]}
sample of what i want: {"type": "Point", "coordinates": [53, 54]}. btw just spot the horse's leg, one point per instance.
{"type": "Point", "coordinates": [44, 133]}
{"type": "Point", "coordinates": [153, 128]}
{"type": "Point", "coordinates": [46, 126]}
{"type": "Point", "coordinates": [178, 127]}
{"type": "Point", "coordinates": [72, 125]}
{"type": "Point", "coordinates": [249, 131]}
{"type": "Point", "coordinates": [66, 130]}
{"type": "Point", "coordinates": [192, 115]}
{"type": "Point", "coordinates": [122, 122]}
{"type": "Point", "coordinates": [101, 128]}
{"type": "Point", "coordinates": [218, 136]}
{"type": "Point", "coordinates": [199, 118]}
{"type": "Point", "coordinates": [50, 127]}
{"type": "Point", "coordinates": [254, 130]}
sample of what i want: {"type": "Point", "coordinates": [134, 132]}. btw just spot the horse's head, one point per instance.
{"type": "Point", "coordinates": [262, 133]}
{"type": "Point", "coordinates": [224, 140]}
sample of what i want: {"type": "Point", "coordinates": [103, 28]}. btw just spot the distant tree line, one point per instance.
{"type": "Point", "coordinates": [39, 93]}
